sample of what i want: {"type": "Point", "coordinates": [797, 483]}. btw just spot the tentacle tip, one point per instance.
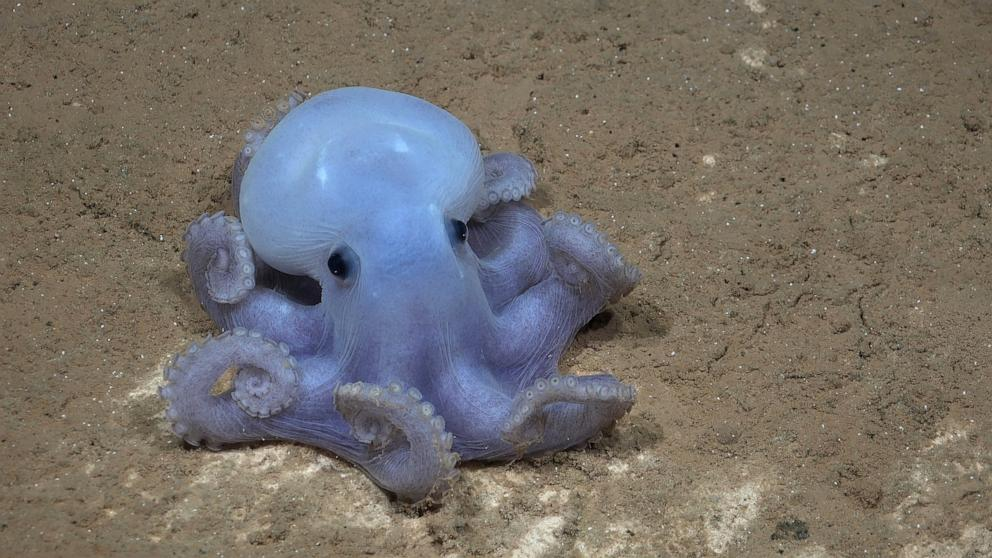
{"type": "Point", "coordinates": [634, 273]}
{"type": "Point", "coordinates": [166, 392]}
{"type": "Point", "coordinates": [451, 459]}
{"type": "Point", "coordinates": [520, 446]}
{"type": "Point", "coordinates": [519, 435]}
{"type": "Point", "coordinates": [630, 393]}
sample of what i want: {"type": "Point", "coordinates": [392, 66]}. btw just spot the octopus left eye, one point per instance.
{"type": "Point", "coordinates": [459, 231]}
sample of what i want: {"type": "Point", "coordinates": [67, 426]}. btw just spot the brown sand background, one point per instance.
{"type": "Point", "coordinates": [806, 189]}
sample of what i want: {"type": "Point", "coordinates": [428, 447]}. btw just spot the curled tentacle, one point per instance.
{"type": "Point", "coordinates": [509, 177]}
{"type": "Point", "coordinates": [221, 262]}
{"type": "Point", "coordinates": [235, 291]}
{"type": "Point", "coordinates": [569, 408]}
{"type": "Point", "coordinates": [409, 449]}
{"type": "Point", "coordinates": [262, 392]}
{"type": "Point", "coordinates": [584, 258]}
{"type": "Point", "coordinates": [199, 416]}
{"type": "Point", "coordinates": [260, 128]}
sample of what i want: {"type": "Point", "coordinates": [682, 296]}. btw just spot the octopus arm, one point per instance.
{"type": "Point", "coordinates": [222, 269]}
{"type": "Point", "coordinates": [512, 251]}
{"type": "Point", "coordinates": [562, 411]}
{"type": "Point", "coordinates": [259, 130]}
{"type": "Point", "coordinates": [509, 177]}
{"type": "Point", "coordinates": [534, 328]}
{"type": "Point", "coordinates": [266, 383]}
{"type": "Point", "coordinates": [408, 450]}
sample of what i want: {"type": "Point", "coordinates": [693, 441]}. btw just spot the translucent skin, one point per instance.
{"type": "Point", "coordinates": [388, 297]}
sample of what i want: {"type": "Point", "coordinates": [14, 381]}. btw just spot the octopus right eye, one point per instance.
{"type": "Point", "coordinates": [461, 231]}
{"type": "Point", "coordinates": [458, 231]}
{"type": "Point", "coordinates": [338, 265]}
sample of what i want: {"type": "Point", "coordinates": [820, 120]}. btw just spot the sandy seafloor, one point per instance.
{"type": "Point", "coordinates": [805, 188]}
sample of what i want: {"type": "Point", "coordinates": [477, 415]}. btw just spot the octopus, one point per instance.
{"type": "Point", "coordinates": [388, 295]}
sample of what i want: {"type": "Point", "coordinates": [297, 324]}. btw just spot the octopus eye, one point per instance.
{"type": "Point", "coordinates": [338, 266]}
{"type": "Point", "coordinates": [459, 230]}
{"type": "Point", "coordinates": [344, 265]}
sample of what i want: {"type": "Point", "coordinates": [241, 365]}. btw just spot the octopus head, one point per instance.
{"type": "Point", "coordinates": [363, 186]}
